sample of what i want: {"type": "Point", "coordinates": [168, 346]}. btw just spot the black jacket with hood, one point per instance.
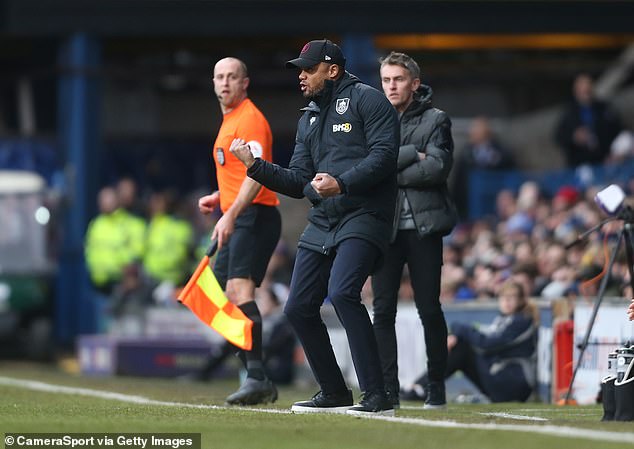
{"type": "Point", "coordinates": [425, 129]}
{"type": "Point", "coordinates": [351, 132]}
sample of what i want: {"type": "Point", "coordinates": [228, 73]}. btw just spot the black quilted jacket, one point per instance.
{"type": "Point", "coordinates": [425, 129]}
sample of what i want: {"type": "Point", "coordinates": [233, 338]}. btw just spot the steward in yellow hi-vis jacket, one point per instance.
{"type": "Point", "coordinates": [114, 239]}
{"type": "Point", "coordinates": [168, 244]}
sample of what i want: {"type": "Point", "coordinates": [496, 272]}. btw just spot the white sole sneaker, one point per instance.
{"type": "Point", "coordinates": [303, 409]}
{"type": "Point", "coordinates": [362, 413]}
{"type": "Point", "coordinates": [434, 407]}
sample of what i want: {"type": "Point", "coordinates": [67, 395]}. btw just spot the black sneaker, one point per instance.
{"type": "Point", "coordinates": [325, 403]}
{"type": "Point", "coordinates": [253, 392]}
{"type": "Point", "coordinates": [393, 397]}
{"type": "Point", "coordinates": [373, 403]}
{"type": "Point", "coordinates": [436, 398]}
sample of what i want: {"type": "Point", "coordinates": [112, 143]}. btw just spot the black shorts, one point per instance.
{"type": "Point", "coordinates": [255, 236]}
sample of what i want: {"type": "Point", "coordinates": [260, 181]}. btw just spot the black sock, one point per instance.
{"type": "Point", "coordinates": [241, 354]}
{"type": "Point", "coordinates": [255, 368]}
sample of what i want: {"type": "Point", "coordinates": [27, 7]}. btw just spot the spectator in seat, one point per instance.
{"type": "Point", "coordinates": [499, 359]}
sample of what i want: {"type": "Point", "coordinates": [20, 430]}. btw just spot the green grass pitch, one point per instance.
{"type": "Point", "coordinates": [159, 405]}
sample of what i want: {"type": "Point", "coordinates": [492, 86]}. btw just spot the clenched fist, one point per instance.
{"type": "Point", "coordinates": [242, 151]}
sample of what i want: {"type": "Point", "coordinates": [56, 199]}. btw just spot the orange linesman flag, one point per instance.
{"type": "Point", "coordinates": [204, 296]}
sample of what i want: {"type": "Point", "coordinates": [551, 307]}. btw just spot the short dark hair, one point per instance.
{"type": "Point", "coordinates": [405, 61]}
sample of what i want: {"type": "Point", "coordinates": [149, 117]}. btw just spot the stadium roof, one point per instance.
{"type": "Point", "coordinates": [286, 17]}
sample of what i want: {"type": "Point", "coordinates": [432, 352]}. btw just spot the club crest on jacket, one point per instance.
{"type": "Point", "coordinates": [341, 105]}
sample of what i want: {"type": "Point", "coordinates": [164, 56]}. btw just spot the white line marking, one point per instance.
{"type": "Point", "coordinates": [534, 410]}
{"type": "Point", "coordinates": [565, 432]}
{"type": "Point", "coordinates": [411, 407]}
{"type": "Point", "coordinates": [50, 388]}
{"type": "Point", "coordinates": [511, 416]}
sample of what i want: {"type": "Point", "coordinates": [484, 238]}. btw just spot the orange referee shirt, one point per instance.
{"type": "Point", "coordinates": [248, 123]}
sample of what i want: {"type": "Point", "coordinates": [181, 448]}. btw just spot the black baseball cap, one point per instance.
{"type": "Point", "coordinates": [314, 52]}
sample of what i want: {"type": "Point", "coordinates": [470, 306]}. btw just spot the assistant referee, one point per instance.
{"type": "Point", "coordinates": [249, 228]}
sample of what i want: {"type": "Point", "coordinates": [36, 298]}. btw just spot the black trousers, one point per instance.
{"type": "Point", "coordinates": [340, 276]}
{"type": "Point", "coordinates": [423, 256]}
{"type": "Point", "coordinates": [463, 358]}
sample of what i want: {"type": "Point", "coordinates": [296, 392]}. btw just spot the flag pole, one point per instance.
{"type": "Point", "coordinates": [213, 247]}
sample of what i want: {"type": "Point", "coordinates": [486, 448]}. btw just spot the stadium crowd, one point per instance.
{"type": "Point", "coordinates": [528, 240]}
{"type": "Point", "coordinates": [525, 240]}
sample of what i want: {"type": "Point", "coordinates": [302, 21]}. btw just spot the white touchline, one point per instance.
{"type": "Point", "coordinates": [50, 388]}
{"type": "Point", "coordinates": [566, 432]}
{"type": "Point", "coordinates": [511, 416]}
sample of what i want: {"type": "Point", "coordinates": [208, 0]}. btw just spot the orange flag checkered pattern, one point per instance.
{"type": "Point", "coordinates": [204, 296]}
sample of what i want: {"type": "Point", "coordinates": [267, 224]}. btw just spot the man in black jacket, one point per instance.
{"type": "Point", "coordinates": [424, 213]}
{"type": "Point", "coordinates": [344, 162]}
{"type": "Point", "coordinates": [587, 126]}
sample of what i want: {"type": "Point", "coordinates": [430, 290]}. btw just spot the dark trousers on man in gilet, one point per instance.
{"type": "Point", "coordinates": [423, 256]}
{"type": "Point", "coordinates": [339, 276]}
